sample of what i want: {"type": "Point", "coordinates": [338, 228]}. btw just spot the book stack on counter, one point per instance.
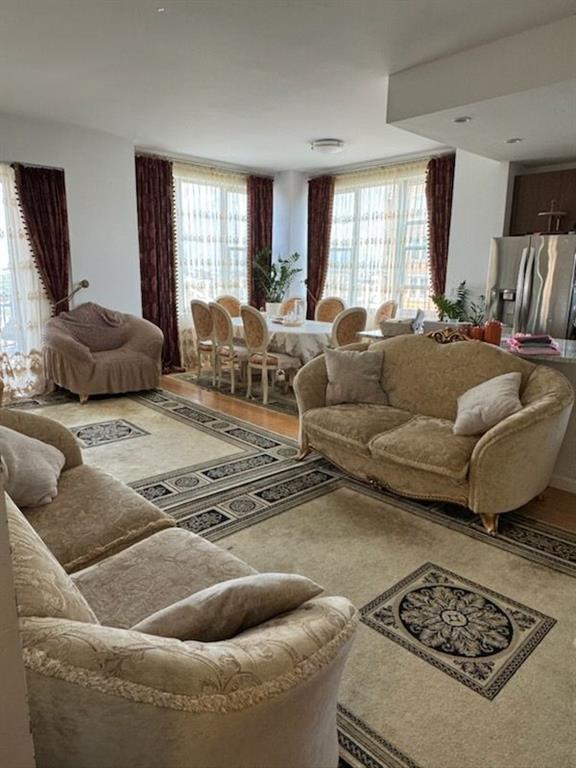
{"type": "Point", "coordinates": [527, 344]}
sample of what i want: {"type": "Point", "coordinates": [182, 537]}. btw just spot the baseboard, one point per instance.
{"type": "Point", "coordinates": [564, 483]}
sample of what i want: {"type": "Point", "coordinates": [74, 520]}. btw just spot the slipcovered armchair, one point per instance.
{"type": "Point", "coordinates": [92, 350]}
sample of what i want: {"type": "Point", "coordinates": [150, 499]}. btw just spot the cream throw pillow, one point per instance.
{"type": "Point", "coordinates": [31, 467]}
{"type": "Point", "coordinates": [354, 377]}
{"type": "Point", "coordinates": [485, 405]}
{"type": "Point", "coordinates": [225, 609]}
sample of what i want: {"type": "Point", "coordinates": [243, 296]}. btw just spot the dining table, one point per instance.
{"type": "Point", "coordinates": [304, 341]}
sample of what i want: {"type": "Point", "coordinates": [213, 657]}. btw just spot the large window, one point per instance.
{"type": "Point", "coordinates": [211, 234]}
{"type": "Point", "coordinates": [24, 307]}
{"type": "Point", "coordinates": [378, 247]}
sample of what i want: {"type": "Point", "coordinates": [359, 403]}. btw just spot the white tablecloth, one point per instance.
{"type": "Point", "coordinates": [302, 341]}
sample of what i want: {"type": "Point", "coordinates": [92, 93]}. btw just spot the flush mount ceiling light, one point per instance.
{"type": "Point", "coordinates": [514, 140]}
{"type": "Point", "coordinates": [462, 119]}
{"type": "Point", "coordinates": [161, 10]}
{"type": "Point", "coordinates": [327, 146]}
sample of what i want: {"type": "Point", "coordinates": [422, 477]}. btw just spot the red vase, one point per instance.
{"type": "Point", "coordinates": [476, 332]}
{"type": "Point", "coordinates": [493, 332]}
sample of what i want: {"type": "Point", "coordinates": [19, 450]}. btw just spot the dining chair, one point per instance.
{"type": "Point", "coordinates": [230, 303]}
{"type": "Point", "coordinates": [257, 340]}
{"type": "Point", "coordinates": [228, 353]}
{"type": "Point", "coordinates": [203, 335]}
{"type": "Point", "coordinates": [327, 309]}
{"type": "Point", "coordinates": [386, 311]}
{"type": "Point", "coordinates": [347, 325]}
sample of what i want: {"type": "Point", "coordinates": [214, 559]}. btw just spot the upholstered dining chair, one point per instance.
{"type": "Point", "coordinates": [231, 304]}
{"type": "Point", "coordinates": [347, 325]}
{"type": "Point", "coordinates": [327, 309]}
{"type": "Point", "coordinates": [228, 353]}
{"type": "Point", "coordinates": [203, 330]}
{"type": "Point", "coordinates": [257, 340]}
{"type": "Point", "coordinates": [386, 311]}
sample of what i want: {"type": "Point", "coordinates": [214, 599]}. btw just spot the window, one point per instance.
{"type": "Point", "coordinates": [24, 307]}
{"type": "Point", "coordinates": [378, 247]}
{"type": "Point", "coordinates": [211, 234]}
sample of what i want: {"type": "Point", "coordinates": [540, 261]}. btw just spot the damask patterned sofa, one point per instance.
{"type": "Point", "coordinates": [99, 559]}
{"type": "Point", "coordinates": [408, 445]}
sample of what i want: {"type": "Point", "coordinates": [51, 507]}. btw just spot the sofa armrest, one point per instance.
{"type": "Point", "coordinates": [231, 675]}
{"type": "Point", "coordinates": [44, 429]}
{"type": "Point", "coordinates": [64, 345]}
{"type": "Point", "coordinates": [513, 462]}
{"type": "Point", "coordinates": [145, 337]}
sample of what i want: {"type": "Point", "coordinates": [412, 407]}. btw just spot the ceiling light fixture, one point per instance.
{"type": "Point", "coordinates": [514, 140]}
{"type": "Point", "coordinates": [327, 146]}
{"type": "Point", "coordinates": [462, 119]}
{"type": "Point", "coordinates": [160, 10]}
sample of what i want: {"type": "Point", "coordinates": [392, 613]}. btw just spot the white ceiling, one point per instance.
{"type": "Point", "coordinates": [248, 82]}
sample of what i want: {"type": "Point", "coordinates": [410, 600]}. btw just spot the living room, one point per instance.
{"type": "Point", "coordinates": [288, 326]}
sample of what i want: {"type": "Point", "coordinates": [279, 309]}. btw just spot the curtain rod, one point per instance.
{"type": "Point", "coordinates": [199, 162]}
{"type": "Point", "coordinates": [375, 164]}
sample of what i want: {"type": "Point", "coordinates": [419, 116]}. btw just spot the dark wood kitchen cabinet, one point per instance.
{"type": "Point", "coordinates": [534, 192]}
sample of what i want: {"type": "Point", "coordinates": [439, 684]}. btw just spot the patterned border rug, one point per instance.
{"type": "Point", "coordinates": [469, 625]}
{"type": "Point", "coordinates": [278, 400]}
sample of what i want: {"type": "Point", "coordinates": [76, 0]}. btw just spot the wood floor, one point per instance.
{"type": "Point", "coordinates": [555, 507]}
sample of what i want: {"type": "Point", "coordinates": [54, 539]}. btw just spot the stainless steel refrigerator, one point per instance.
{"type": "Point", "coordinates": [531, 285]}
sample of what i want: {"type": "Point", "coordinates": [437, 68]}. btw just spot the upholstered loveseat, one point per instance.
{"type": "Point", "coordinates": [408, 445]}
{"type": "Point", "coordinates": [100, 558]}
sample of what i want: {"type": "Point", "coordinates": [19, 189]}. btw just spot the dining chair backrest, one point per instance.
{"type": "Point", "coordinates": [386, 311]}
{"type": "Point", "coordinates": [231, 304]}
{"type": "Point", "coordinates": [223, 330]}
{"type": "Point", "coordinates": [255, 329]}
{"type": "Point", "coordinates": [201, 319]}
{"type": "Point", "coordinates": [327, 309]}
{"type": "Point", "coordinates": [347, 325]}
{"type": "Point", "coordinates": [289, 305]}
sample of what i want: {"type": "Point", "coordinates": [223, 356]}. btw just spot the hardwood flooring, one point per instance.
{"type": "Point", "coordinates": [555, 507]}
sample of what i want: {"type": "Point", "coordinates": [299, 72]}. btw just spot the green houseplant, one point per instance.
{"type": "Point", "coordinates": [274, 277]}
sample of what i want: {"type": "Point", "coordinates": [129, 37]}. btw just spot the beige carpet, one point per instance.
{"type": "Point", "coordinates": [465, 655]}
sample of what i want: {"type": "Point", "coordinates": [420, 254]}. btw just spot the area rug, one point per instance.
{"type": "Point", "coordinates": [278, 400]}
{"type": "Point", "coordinates": [463, 654]}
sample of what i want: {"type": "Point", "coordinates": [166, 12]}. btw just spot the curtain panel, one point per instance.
{"type": "Point", "coordinates": [155, 205]}
{"type": "Point", "coordinates": [211, 242]}
{"type": "Point", "coordinates": [320, 203]}
{"type": "Point", "coordinates": [260, 202]}
{"type": "Point", "coordinates": [439, 192]}
{"type": "Point", "coordinates": [379, 238]}
{"type": "Point", "coordinates": [24, 305]}
{"type": "Point", "coordinates": [42, 197]}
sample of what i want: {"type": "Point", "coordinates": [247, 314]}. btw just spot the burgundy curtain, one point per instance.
{"type": "Point", "coordinates": [155, 203]}
{"type": "Point", "coordinates": [439, 189]}
{"type": "Point", "coordinates": [42, 197]}
{"type": "Point", "coordinates": [320, 201]}
{"type": "Point", "coordinates": [260, 201]}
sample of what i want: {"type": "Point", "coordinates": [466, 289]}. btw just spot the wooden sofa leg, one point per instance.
{"type": "Point", "coordinates": [83, 398]}
{"type": "Point", "coordinates": [490, 523]}
{"type": "Point", "coordinates": [302, 453]}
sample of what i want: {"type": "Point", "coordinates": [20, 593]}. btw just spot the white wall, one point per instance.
{"type": "Point", "coordinates": [101, 195]}
{"type": "Point", "coordinates": [478, 214]}
{"type": "Point", "coordinates": [290, 221]}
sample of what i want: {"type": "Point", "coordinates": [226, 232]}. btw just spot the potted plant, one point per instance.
{"type": "Point", "coordinates": [274, 277]}
{"type": "Point", "coordinates": [451, 312]}
{"type": "Point", "coordinates": [476, 315]}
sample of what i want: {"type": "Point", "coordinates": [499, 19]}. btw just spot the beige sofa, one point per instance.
{"type": "Point", "coordinates": [99, 559]}
{"type": "Point", "coordinates": [92, 350]}
{"type": "Point", "coordinates": [408, 446]}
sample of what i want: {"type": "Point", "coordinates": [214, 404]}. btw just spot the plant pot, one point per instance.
{"type": "Point", "coordinates": [273, 308]}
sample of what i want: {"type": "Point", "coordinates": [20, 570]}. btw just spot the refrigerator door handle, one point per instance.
{"type": "Point", "coordinates": [527, 290]}
{"type": "Point", "coordinates": [520, 292]}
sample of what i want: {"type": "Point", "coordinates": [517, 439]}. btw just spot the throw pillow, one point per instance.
{"type": "Point", "coordinates": [31, 468]}
{"type": "Point", "coordinates": [354, 377]}
{"type": "Point", "coordinates": [225, 609]}
{"type": "Point", "coordinates": [485, 405]}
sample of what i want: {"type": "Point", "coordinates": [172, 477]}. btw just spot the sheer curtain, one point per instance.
{"type": "Point", "coordinates": [211, 240]}
{"type": "Point", "coordinates": [24, 306]}
{"type": "Point", "coordinates": [378, 244]}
